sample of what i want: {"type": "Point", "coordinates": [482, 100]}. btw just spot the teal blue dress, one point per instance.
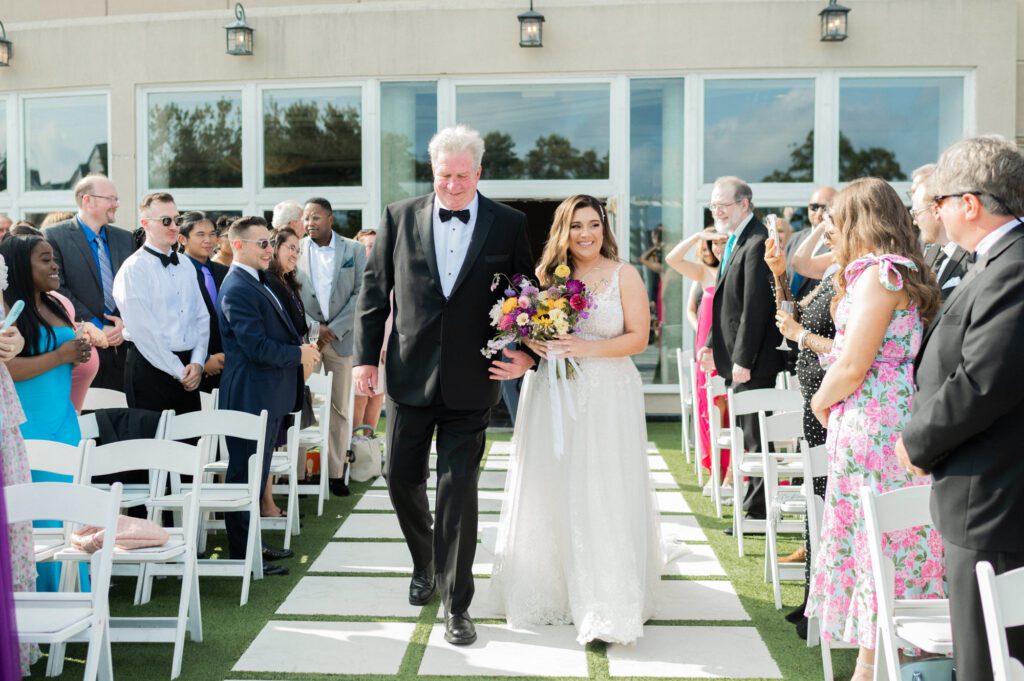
{"type": "Point", "coordinates": [50, 415]}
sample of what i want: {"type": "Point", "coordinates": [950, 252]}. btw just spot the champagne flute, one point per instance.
{"type": "Point", "coordinates": [313, 334]}
{"type": "Point", "coordinates": [788, 307]}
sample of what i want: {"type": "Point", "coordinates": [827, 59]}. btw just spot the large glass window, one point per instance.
{"type": "Point", "coordinates": [656, 213]}
{"type": "Point", "coordinates": [540, 132]}
{"type": "Point", "coordinates": [312, 138]}
{"type": "Point", "coordinates": [347, 222]}
{"type": "Point", "coordinates": [890, 126]}
{"type": "Point", "coordinates": [408, 119]}
{"type": "Point", "coordinates": [65, 139]}
{"type": "Point", "coordinates": [760, 130]}
{"type": "Point", "coordinates": [3, 146]}
{"type": "Point", "coordinates": [195, 139]}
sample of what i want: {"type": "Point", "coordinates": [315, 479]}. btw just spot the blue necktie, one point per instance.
{"type": "Point", "coordinates": [211, 285]}
{"type": "Point", "coordinates": [798, 281]}
{"type": "Point", "coordinates": [728, 248]}
{"type": "Point", "coordinates": [106, 273]}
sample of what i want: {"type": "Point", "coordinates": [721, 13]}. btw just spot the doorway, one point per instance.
{"type": "Point", "coordinates": [539, 215]}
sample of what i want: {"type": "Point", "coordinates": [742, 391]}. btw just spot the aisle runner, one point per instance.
{"type": "Point", "coordinates": [358, 594]}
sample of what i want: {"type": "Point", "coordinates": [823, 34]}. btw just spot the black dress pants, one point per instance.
{"type": "Point", "coordinates": [147, 387]}
{"type": "Point", "coordinates": [110, 374]}
{"type": "Point", "coordinates": [446, 551]}
{"type": "Point", "coordinates": [239, 451]}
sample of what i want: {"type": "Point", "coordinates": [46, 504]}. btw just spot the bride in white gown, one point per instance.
{"type": "Point", "coordinates": [578, 540]}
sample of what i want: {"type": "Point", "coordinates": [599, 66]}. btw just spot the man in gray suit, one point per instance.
{"type": "Point", "coordinates": [90, 250]}
{"type": "Point", "coordinates": [332, 269]}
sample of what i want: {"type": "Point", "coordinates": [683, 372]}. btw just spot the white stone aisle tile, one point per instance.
{"type": "Point", "coordinates": [350, 596]}
{"type": "Point", "coordinates": [695, 653]}
{"type": "Point", "coordinates": [381, 483]}
{"type": "Point", "coordinates": [492, 480]}
{"type": "Point", "coordinates": [368, 557]}
{"type": "Point", "coordinates": [680, 599]}
{"type": "Point", "coordinates": [694, 560]}
{"type": "Point", "coordinates": [656, 462]}
{"type": "Point", "coordinates": [681, 528]}
{"type": "Point", "coordinates": [670, 502]}
{"type": "Point", "coordinates": [370, 526]}
{"type": "Point", "coordinates": [652, 448]}
{"type": "Point", "coordinates": [328, 648]}
{"type": "Point", "coordinates": [502, 651]}
{"type": "Point", "coordinates": [481, 608]}
{"type": "Point", "coordinates": [663, 480]}
{"type": "Point", "coordinates": [378, 500]}
{"type": "Point", "coordinates": [504, 448]}
{"type": "Point", "coordinates": [498, 463]}
{"type": "Point", "coordinates": [483, 561]}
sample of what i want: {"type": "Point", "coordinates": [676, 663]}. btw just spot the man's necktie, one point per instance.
{"type": "Point", "coordinates": [165, 260]}
{"type": "Point", "coordinates": [728, 248]}
{"type": "Point", "coordinates": [798, 281]}
{"type": "Point", "coordinates": [211, 285]}
{"type": "Point", "coordinates": [939, 259]}
{"type": "Point", "coordinates": [447, 215]}
{"type": "Point", "coordinates": [106, 275]}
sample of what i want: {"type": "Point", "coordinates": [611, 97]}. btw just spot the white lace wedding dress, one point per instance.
{"type": "Point", "coordinates": [578, 540]}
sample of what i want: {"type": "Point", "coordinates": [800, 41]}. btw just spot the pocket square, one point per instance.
{"type": "Point", "coordinates": [950, 283]}
{"type": "Point", "coordinates": [351, 262]}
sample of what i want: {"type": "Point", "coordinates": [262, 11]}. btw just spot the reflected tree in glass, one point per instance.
{"type": "Point", "coordinates": [408, 119]}
{"type": "Point", "coordinates": [3, 147]}
{"type": "Point", "coordinates": [196, 144]}
{"type": "Point", "coordinates": [311, 142]}
{"type": "Point", "coordinates": [65, 139]}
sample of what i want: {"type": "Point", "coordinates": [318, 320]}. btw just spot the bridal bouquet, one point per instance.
{"type": "Point", "coordinates": [527, 311]}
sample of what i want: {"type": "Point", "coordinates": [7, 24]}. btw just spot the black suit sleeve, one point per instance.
{"type": "Point", "coordinates": [985, 385]}
{"type": "Point", "coordinates": [758, 306]}
{"type": "Point", "coordinates": [374, 302]}
{"type": "Point", "coordinates": [81, 311]}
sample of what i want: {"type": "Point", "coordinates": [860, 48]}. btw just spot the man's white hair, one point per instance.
{"type": "Point", "coordinates": [458, 140]}
{"type": "Point", "coordinates": [285, 213]}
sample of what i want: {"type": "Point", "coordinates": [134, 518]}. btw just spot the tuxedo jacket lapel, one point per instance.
{"type": "Point", "coordinates": [484, 220]}
{"type": "Point", "coordinates": [425, 230]}
{"type": "Point", "coordinates": [277, 305]}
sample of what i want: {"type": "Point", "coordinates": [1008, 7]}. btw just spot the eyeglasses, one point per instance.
{"type": "Point", "coordinates": [264, 244]}
{"type": "Point", "coordinates": [715, 207]}
{"type": "Point", "coordinates": [112, 199]}
{"type": "Point", "coordinates": [915, 212]}
{"type": "Point", "coordinates": [815, 207]}
{"type": "Point", "coordinates": [291, 247]}
{"type": "Point", "coordinates": [167, 220]}
{"type": "Point", "coordinates": [959, 195]}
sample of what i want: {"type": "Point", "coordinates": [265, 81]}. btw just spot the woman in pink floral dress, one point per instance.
{"type": "Point", "coordinates": [881, 304]}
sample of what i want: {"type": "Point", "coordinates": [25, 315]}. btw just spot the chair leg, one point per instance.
{"type": "Point", "coordinates": [772, 560]}
{"type": "Point", "coordinates": [195, 608]}
{"type": "Point", "coordinates": [826, 658]}
{"type": "Point", "coordinates": [737, 509]}
{"type": "Point", "coordinates": [96, 648]}
{"type": "Point", "coordinates": [716, 479]}
{"type": "Point", "coordinates": [184, 601]}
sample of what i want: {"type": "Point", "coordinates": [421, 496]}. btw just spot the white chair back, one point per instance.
{"type": "Point", "coordinates": [89, 426]}
{"type": "Point", "coordinates": [154, 455]}
{"type": "Point", "coordinates": [215, 424]}
{"type": "Point", "coordinates": [1002, 601]}
{"type": "Point", "coordinates": [768, 400]}
{"type": "Point", "coordinates": [698, 445]}
{"type": "Point", "coordinates": [55, 457]}
{"type": "Point", "coordinates": [104, 398]}
{"type": "Point", "coordinates": [684, 368]}
{"type": "Point", "coordinates": [209, 400]}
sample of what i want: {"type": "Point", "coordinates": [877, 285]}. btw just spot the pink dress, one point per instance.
{"type": "Point", "coordinates": [704, 433]}
{"type": "Point", "coordinates": [862, 434]}
{"type": "Point", "coordinates": [81, 375]}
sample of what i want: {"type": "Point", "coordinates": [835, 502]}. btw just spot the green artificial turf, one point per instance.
{"type": "Point", "coordinates": [229, 629]}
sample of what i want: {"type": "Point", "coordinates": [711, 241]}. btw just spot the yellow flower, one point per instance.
{"type": "Point", "coordinates": [509, 305]}
{"type": "Point", "coordinates": [562, 270]}
{"type": "Point", "coordinates": [542, 319]}
{"type": "Point", "coordinates": [557, 302]}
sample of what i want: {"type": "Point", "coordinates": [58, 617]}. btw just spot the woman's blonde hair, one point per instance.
{"type": "Point", "coordinates": [556, 250]}
{"type": "Point", "coordinates": [870, 217]}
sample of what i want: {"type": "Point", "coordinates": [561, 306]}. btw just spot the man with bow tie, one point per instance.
{"type": "Point", "coordinates": [165, 319]}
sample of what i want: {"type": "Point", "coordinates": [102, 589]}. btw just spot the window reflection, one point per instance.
{"type": "Point", "coordinates": [312, 138]}
{"type": "Point", "coordinates": [65, 139]}
{"type": "Point", "coordinates": [540, 132]}
{"type": "Point", "coordinates": [408, 119]}
{"type": "Point", "coordinates": [890, 126]}
{"type": "Point", "coordinates": [195, 139]}
{"type": "Point", "coordinates": [3, 146]}
{"type": "Point", "coordinates": [761, 130]}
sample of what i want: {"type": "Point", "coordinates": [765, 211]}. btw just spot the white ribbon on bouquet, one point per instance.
{"type": "Point", "coordinates": [557, 366]}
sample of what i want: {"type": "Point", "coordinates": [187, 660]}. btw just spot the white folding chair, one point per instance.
{"type": "Point", "coordinates": [319, 435]}
{"type": "Point", "coordinates": [749, 464]}
{"type": "Point", "coordinates": [208, 400]}
{"type": "Point", "coordinates": [714, 387]}
{"type": "Point", "coordinates": [177, 557]}
{"type": "Point", "coordinates": [104, 398]}
{"type": "Point", "coordinates": [902, 623]}
{"type": "Point", "coordinates": [1002, 601]}
{"type": "Point", "coordinates": [684, 363]}
{"type": "Point", "coordinates": [211, 425]}
{"type": "Point", "coordinates": [286, 463]}
{"type": "Point", "coordinates": [89, 427]}
{"type": "Point", "coordinates": [55, 618]}
{"type": "Point", "coordinates": [350, 456]}
{"type": "Point", "coordinates": [698, 445]}
{"type": "Point", "coordinates": [61, 459]}
{"type": "Point", "coordinates": [780, 501]}
{"type": "Point", "coordinates": [132, 495]}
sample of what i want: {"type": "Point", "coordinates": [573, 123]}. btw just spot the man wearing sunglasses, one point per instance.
{"type": "Point", "coordinates": [801, 284]}
{"type": "Point", "coordinates": [165, 318]}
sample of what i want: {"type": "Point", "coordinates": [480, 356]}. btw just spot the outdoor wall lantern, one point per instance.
{"type": "Point", "coordinates": [834, 22]}
{"type": "Point", "coordinates": [239, 34]}
{"type": "Point", "coordinates": [531, 26]}
{"type": "Point", "coordinates": [6, 48]}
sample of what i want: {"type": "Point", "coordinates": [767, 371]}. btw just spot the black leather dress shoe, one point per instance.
{"type": "Point", "coordinates": [459, 629]}
{"type": "Point", "coordinates": [339, 488]}
{"type": "Point", "coordinates": [728, 531]}
{"type": "Point", "coordinates": [421, 588]}
{"type": "Point", "coordinates": [270, 569]}
{"type": "Point", "coordinates": [276, 554]}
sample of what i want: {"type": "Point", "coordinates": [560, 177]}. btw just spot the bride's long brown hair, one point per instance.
{"type": "Point", "coordinates": [870, 217]}
{"type": "Point", "coordinates": [556, 250]}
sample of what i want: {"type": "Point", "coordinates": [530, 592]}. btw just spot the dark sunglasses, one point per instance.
{"type": "Point", "coordinates": [262, 243]}
{"type": "Point", "coordinates": [167, 220]}
{"type": "Point", "coordinates": [815, 207]}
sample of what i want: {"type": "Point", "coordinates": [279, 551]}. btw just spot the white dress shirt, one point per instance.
{"type": "Point", "coordinates": [986, 244]}
{"type": "Point", "coordinates": [321, 270]}
{"type": "Point", "coordinates": [949, 249]}
{"type": "Point", "coordinates": [451, 243]}
{"type": "Point", "coordinates": [162, 310]}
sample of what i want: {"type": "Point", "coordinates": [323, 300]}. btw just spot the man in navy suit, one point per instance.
{"type": "Point", "coordinates": [264, 359]}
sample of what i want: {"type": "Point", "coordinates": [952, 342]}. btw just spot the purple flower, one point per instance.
{"type": "Point", "coordinates": [517, 279]}
{"type": "Point", "coordinates": [574, 286]}
{"type": "Point", "coordinates": [554, 292]}
{"type": "Point", "coordinates": [524, 331]}
{"type": "Point", "coordinates": [530, 289]}
{"type": "Point", "coordinates": [509, 292]}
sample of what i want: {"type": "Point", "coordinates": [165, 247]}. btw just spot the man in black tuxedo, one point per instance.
{"type": "Point", "coordinates": [439, 254]}
{"type": "Point", "coordinates": [90, 250]}
{"type": "Point", "coordinates": [198, 237]}
{"type": "Point", "coordinates": [947, 260]}
{"type": "Point", "coordinates": [967, 422]}
{"type": "Point", "coordinates": [263, 365]}
{"type": "Point", "coordinates": [743, 339]}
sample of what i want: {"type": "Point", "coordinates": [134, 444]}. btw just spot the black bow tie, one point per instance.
{"type": "Point", "coordinates": [165, 260]}
{"type": "Point", "coordinates": [447, 215]}
{"type": "Point", "coordinates": [971, 258]}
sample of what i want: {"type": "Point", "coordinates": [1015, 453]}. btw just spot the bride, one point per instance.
{"type": "Point", "coordinates": [578, 538]}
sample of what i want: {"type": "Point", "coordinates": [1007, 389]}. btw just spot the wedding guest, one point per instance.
{"type": "Point", "coordinates": [288, 215]}
{"type": "Point", "coordinates": [366, 409]}
{"type": "Point", "coordinates": [90, 251]}
{"type": "Point", "coordinates": [42, 369]}
{"type": "Point", "coordinates": [224, 254]}
{"type": "Point", "coordinates": [56, 217]}
{"type": "Point", "coordinates": [710, 246]}
{"type": "Point", "coordinates": [164, 315]}
{"type": "Point", "coordinates": [968, 415]}
{"type": "Point", "coordinates": [5, 225]}
{"type": "Point", "coordinates": [334, 267]}
{"type": "Point", "coordinates": [884, 296]}
{"type": "Point", "coordinates": [947, 260]}
{"type": "Point", "coordinates": [197, 236]}
{"type": "Point", "coordinates": [803, 280]}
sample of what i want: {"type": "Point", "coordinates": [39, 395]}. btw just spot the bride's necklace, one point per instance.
{"type": "Point", "coordinates": [592, 285]}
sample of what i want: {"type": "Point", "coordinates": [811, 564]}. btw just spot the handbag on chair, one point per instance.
{"type": "Point", "coordinates": [934, 669]}
{"type": "Point", "coordinates": [367, 454]}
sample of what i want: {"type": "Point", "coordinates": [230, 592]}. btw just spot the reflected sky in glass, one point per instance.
{"type": "Point", "coordinates": [578, 113]}
{"type": "Point", "coordinates": [61, 134]}
{"type": "Point", "coordinates": [752, 128]}
{"type": "Point", "coordinates": [901, 121]}
{"type": "Point", "coordinates": [408, 119]}
{"type": "Point", "coordinates": [3, 146]}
